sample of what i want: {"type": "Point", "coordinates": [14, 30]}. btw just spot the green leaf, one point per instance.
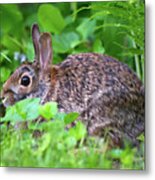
{"type": "Point", "coordinates": [116, 153]}
{"type": "Point", "coordinates": [69, 118]}
{"type": "Point", "coordinates": [45, 144]}
{"type": "Point", "coordinates": [86, 28]}
{"type": "Point", "coordinates": [141, 137]}
{"type": "Point", "coordinates": [60, 116]}
{"type": "Point", "coordinates": [13, 18]}
{"type": "Point", "coordinates": [11, 43]}
{"type": "Point", "coordinates": [4, 73]}
{"type": "Point", "coordinates": [48, 110]}
{"type": "Point", "coordinates": [4, 54]}
{"type": "Point", "coordinates": [11, 115]}
{"type": "Point", "coordinates": [26, 109]}
{"type": "Point", "coordinates": [50, 18]}
{"type": "Point", "coordinates": [29, 51]}
{"type": "Point", "coordinates": [98, 47]}
{"type": "Point", "coordinates": [79, 131]}
{"type": "Point", "coordinates": [65, 42]}
{"type": "Point", "coordinates": [70, 142]}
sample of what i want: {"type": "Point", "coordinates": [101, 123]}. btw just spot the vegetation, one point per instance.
{"type": "Point", "coordinates": [51, 144]}
{"type": "Point", "coordinates": [113, 28]}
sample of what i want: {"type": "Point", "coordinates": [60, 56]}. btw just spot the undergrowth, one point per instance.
{"type": "Point", "coordinates": [26, 142]}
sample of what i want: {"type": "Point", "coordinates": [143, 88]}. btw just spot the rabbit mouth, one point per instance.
{"type": "Point", "coordinates": [9, 100]}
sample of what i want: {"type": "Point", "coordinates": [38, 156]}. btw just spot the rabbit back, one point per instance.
{"type": "Point", "coordinates": [105, 92]}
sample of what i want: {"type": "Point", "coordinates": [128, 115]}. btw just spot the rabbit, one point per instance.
{"type": "Point", "coordinates": [105, 92]}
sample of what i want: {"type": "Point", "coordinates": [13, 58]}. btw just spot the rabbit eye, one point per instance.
{"type": "Point", "coordinates": [25, 81]}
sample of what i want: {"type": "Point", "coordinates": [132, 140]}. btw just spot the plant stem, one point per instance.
{"type": "Point", "coordinates": [137, 60]}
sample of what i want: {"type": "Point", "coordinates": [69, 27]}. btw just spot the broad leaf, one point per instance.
{"type": "Point", "coordinates": [48, 110]}
{"type": "Point", "coordinates": [23, 110]}
{"type": "Point", "coordinates": [50, 18]}
{"type": "Point", "coordinates": [69, 118]}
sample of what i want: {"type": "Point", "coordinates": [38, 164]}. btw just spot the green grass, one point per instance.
{"type": "Point", "coordinates": [25, 143]}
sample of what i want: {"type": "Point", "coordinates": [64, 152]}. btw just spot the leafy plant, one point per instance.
{"type": "Point", "coordinates": [51, 144]}
{"type": "Point", "coordinates": [113, 28]}
{"type": "Point", "coordinates": [48, 13]}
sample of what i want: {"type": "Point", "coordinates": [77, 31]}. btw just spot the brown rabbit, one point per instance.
{"type": "Point", "coordinates": [104, 91]}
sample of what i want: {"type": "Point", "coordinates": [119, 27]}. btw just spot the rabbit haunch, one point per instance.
{"type": "Point", "coordinates": [104, 91]}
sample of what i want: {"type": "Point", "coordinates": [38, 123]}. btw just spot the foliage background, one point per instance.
{"type": "Point", "coordinates": [113, 28]}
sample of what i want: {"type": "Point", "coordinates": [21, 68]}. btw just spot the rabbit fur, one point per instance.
{"type": "Point", "coordinates": [104, 91]}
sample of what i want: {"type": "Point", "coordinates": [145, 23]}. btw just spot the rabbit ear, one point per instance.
{"type": "Point", "coordinates": [35, 38]}
{"type": "Point", "coordinates": [45, 50]}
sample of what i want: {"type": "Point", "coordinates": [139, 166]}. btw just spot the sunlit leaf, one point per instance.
{"type": "Point", "coordinates": [98, 47]}
{"type": "Point", "coordinates": [86, 28]}
{"type": "Point", "coordinates": [23, 110]}
{"type": "Point", "coordinates": [48, 110]}
{"type": "Point", "coordinates": [59, 42]}
{"type": "Point", "coordinates": [78, 131]}
{"type": "Point", "coordinates": [12, 17]}
{"type": "Point", "coordinates": [50, 18]}
{"type": "Point", "coordinates": [69, 118]}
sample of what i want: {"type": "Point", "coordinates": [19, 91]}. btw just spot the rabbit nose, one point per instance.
{"type": "Point", "coordinates": [4, 96]}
